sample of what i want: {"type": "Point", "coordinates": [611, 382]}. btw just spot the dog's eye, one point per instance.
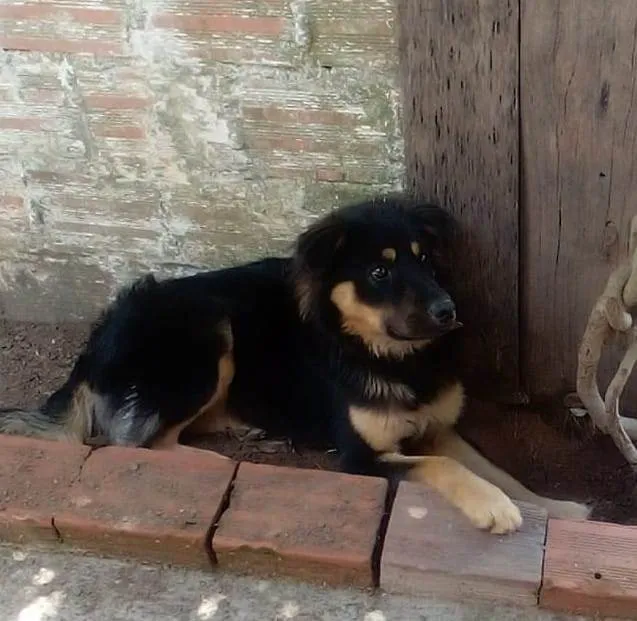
{"type": "Point", "coordinates": [380, 272]}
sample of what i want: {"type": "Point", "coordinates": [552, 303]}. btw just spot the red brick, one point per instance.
{"type": "Point", "coordinates": [221, 23]}
{"type": "Point", "coordinates": [117, 102]}
{"type": "Point", "coordinates": [130, 132]}
{"type": "Point", "coordinates": [21, 123]}
{"type": "Point", "coordinates": [36, 11]}
{"type": "Point", "coordinates": [36, 44]}
{"type": "Point", "coordinates": [10, 202]}
{"type": "Point", "coordinates": [225, 7]}
{"type": "Point", "coordinates": [330, 174]}
{"type": "Point", "coordinates": [305, 117]}
{"type": "Point", "coordinates": [280, 142]}
{"type": "Point", "coordinates": [150, 505]}
{"type": "Point", "coordinates": [431, 549]}
{"type": "Point", "coordinates": [35, 479]}
{"type": "Point", "coordinates": [313, 525]}
{"type": "Point", "coordinates": [590, 568]}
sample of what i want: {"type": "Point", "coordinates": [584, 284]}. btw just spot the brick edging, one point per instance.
{"type": "Point", "coordinates": [197, 509]}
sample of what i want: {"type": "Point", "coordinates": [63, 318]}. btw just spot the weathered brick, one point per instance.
{"type": "Point", "coordinates": [431, 549]}
{"type": "Point", "coordinates": [129, 132]}
{"type": "Point", "coordinates": [42, 96]}
{"type": "Point", "coordinates": [308, 117]}
{"type": "Point", "coordinates": [355, 34]}
{"type": "Point", "coordinates": [313, 525]}
{"type": "Point", "coordinates": [21, 123]}
{"type": "Point", "coordinates": [117, 102]}
{"type": "Point", "coordinates": [151, 505]}
{"type": "Point", "coordinates": [590, 568]}
{"type": "Point", "coordinates": [37, 44]}
{"type": "Point", "coordinates": [10, 202]}
{"type": "Point", "coordinates": [226, 7]}
{"type": "Point", "coordinates": [228, 119]}
{"type": "Point", "coordinates": [329, 174]}
{"type": "Point", "coordinates": [276, 141]}
{"type": "Point", "coordinates": [220, 23]}
{"type": "Point", "coordinates": [48, 11]}
{"type": "Point", "coordinates": [35, 479]}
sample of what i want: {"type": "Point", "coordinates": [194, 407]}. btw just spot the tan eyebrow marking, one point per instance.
{"type": "Point", "coordinates": [389, 254]}
{"type": "Point", "coordinates": [415, 248]}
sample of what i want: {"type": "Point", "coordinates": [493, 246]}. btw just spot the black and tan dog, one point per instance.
{"type": "Point", "coordinates": [346, 343]}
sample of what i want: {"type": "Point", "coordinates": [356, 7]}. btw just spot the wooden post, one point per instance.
{"type": "Point", "coordinates": [459, 64]}
{"type": "Point", "coordinates": [579, 137]}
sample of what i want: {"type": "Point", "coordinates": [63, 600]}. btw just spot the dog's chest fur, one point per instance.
{"type": "Point", "coordinates": [384, 429]}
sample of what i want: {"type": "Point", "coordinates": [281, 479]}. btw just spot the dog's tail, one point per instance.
{"type": "Point", "coordinates": [66, 415]}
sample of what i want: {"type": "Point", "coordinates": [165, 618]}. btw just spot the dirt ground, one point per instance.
{"type": "Point", "coordinates": [547, 451]}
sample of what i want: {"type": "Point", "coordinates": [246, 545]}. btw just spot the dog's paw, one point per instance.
{"type": "Point", "coordinates": [491, 509]}
{"type": "Point", "coordinates": [567, 510]}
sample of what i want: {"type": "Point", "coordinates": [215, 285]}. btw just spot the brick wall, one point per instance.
{"type": "Point", "coordinates": [178, 134]}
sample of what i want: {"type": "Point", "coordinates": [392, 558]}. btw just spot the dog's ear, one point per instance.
{"type": "Point", "coordinates": [318, 245]}
{"type": "Point", "coordinates": [437, 223]}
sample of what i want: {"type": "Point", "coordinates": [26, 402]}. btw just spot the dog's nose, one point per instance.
{"type": "Point", "coordinates": [443, 311]}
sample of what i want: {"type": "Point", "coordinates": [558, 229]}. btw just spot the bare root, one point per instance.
{"type": "Point", "coordinates": [611, 314]}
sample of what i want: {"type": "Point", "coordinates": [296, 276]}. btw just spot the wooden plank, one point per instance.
{"type": "Point", "coordinates": [432, 550]}
{"type": "Point", "coordinates": [459, 63]}
{"type": "Point", "coordinates": [579, 132]}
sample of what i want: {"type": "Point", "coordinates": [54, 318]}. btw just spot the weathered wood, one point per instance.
{"type": "Point", "coordinates": [459, 64]}
{"type": "Point", "coordinates": [579, 130]}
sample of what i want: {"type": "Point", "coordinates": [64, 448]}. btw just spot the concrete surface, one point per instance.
{"type": "Point", "coordinates": [42, 586]}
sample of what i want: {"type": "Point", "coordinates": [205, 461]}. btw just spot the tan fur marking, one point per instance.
{"type": "Point", "coordinates": [358, 318]}
{"type": "Point", "coordinates": [384, 430]}
{"type": "Point", "coordinates": [78, 422]}
{"type": "Point", "coordinates": [389, 254]}
{"type": "Point", "coordinates": [214, 408]}
{"type": "Point", "coordinates": [366, 322]}
{"type": "Point", "coordinates": [446, 408]}
{"type": "Point", "coordinates": [415, 248]}
{"type": "Point", "coordinates": [304, 291]}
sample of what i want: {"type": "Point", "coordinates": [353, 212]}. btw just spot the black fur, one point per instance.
{"type": "Point", "coordinates": [151, 361]}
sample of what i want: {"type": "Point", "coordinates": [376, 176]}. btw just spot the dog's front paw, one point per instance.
{"type": "Point", "coordinates": [491, 509]}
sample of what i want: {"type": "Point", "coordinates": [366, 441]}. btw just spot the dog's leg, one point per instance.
{"type": "Point", "coordinates": [486, 506]}
{"type": "Point", "coordinates": [169, 439]}
{"type": "Point", "coordinates": [450, 444]}
{"type": "Point", "coordinates": [217, 420]}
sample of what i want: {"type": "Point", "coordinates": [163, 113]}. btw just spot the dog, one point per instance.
{"type": "Point", "coordinates": [348, 342]}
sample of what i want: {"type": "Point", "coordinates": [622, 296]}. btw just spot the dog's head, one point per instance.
{"type": "Point", "coordinates": [369, 270]}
